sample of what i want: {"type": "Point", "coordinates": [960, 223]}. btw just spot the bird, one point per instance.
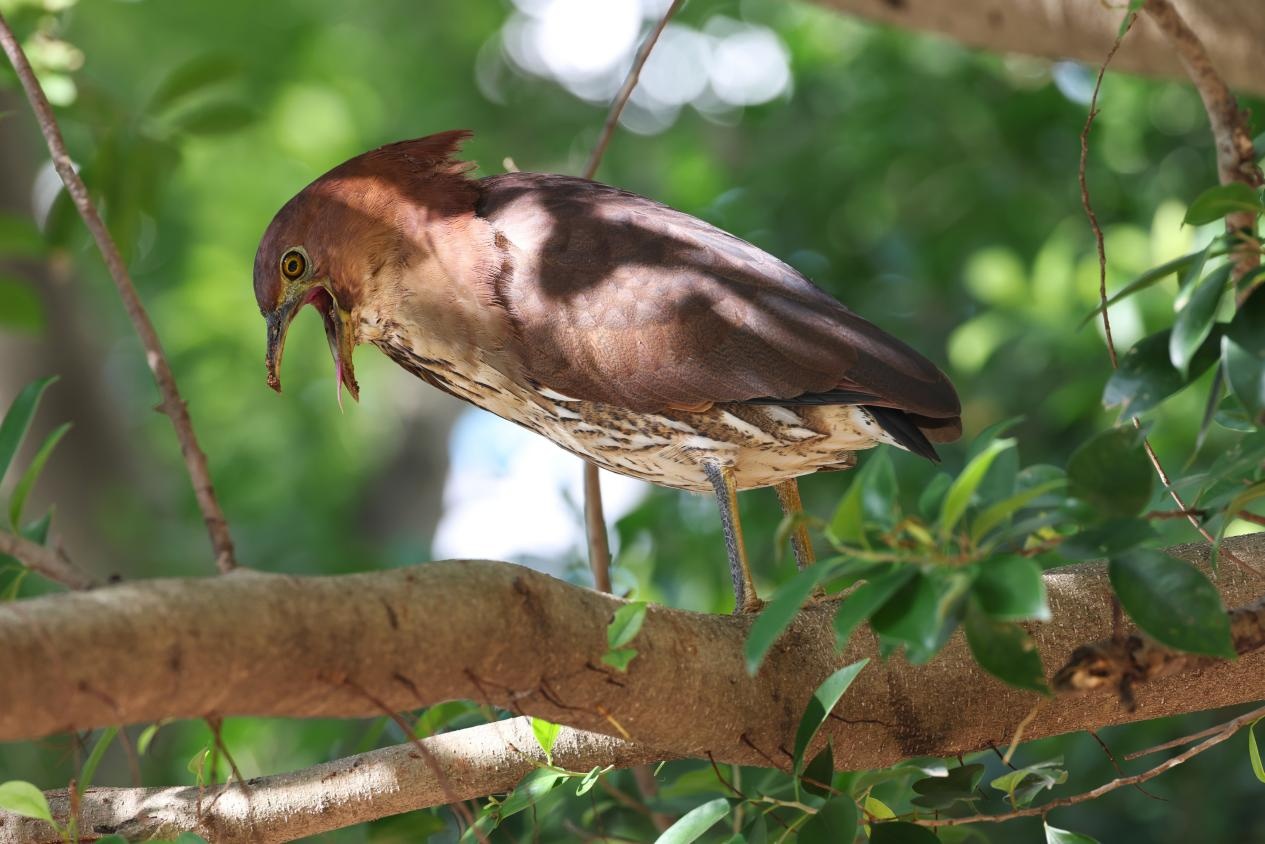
{"type": "Point", "coordinates": [634, 335]}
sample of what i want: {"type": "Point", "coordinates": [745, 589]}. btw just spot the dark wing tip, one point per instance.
{"type": "Point", "coordinates": [901, 428]}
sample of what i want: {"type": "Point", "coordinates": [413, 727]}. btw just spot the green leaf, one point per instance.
{"type": "Point", "coordinates": [876, 808]}
{"type": "Point", "coordinates": [32, 473]}
{"type": "Point", "coordinates": [191, 77]}
{"type": "Point", "coordinates": [1004, 649]}
{"type": "Point", "coordinates": [866, 599]}
{"type": "Point", "coordinates": [1113, 536]}
{"type": "Point", "coordinates": [1216, 202]}
{"type": "Point", "coordinates": [1111, 473]}
{"type": "Point", "coordinates": [960, 784]}
{"type": "Point", "coordinates": [1172, 601]}
{"type": "Point", "coordinates": [1155, 275]}
{"type": "Point", "coordinates": [1130, 14]}
{"type": "Point", "coordinates": [546, 734]}
{"type": "Point", "coordinates": [626, 624]}
{"type": "Point", "coordinates": [20, 308]}
{"type": "Point", "coordinates": [834, 823]}
{"type": "Point", "coordinates": [924, 612]}
{"type": "Point", "coordinates": [1243, 357]}
{"type": "Point", "coordinates": [819, 772]}
{"type": "Point", "coordinates": [147, 737]}
{"type": "Point", "coordinates": [1254, 752]}
{"type": "Point", "coordinates": [590, 779]}
{"type": "Point", "coordinates": [1023, 785]}
{"type": "Point", "coordinates": [819, 708]}
{"type": "Point", "coordinates": [995, 514]}
{"type": "Point", "coordinates": [867, 503]}
{"type": "Point", "coordinates": [1011, 588]}
{"type": "Point", "coordinates": [778, 612]}
{"type": "Point", "coordinates": [1146, 375]}
{"type": "Point", "coordinates": [18, 419]}
{"type": "Point", "coordinates": [1194, 321]}
{"type": "Point", "coordinates": [529, 791]}
{"type": "Point", "coordinates": [1054, 835]}
{"type": "Point", "coordinates": [695, 822]}
{"type": "Point", "coordinates": [439, 716]}
{"type": "Point", "coordinates": [619, 658]}
{"type": "Point", "coordinates": [901, 832]}
{"type": "Point", "coordinates": [958, 498]}
{"type": "Point", "coordinates": [22, 798]}
{"type": "Point", "coordinates": [197, 764]}
{"type": "Point", "coordinates": [94, 758]}
{"type": "Point", "coordinates": [933, 494]}
{"type": "Point", "coordinates": [1240, 502]}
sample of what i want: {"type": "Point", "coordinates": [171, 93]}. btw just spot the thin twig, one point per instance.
{"type": "Point", "coordinates": [1111, 757]}
{"type": "Point", "coordinates": [48, 561]}
{"type": "Point", "coordinates": [1169, 745]}
{"type": "Point", "coordinates": [172, 404]}
{"type": "Point", "coordinates": [1226, 730]}
{"type": "Point", "coordinates": [625, 90]}
{"type": "Point", "coordinates": [594, 517]}
{"type": "Point", "coordinates": [1084, 183]}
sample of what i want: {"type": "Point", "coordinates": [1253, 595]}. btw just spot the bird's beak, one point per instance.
{"type": "Point", "coordinates": [338, 331]}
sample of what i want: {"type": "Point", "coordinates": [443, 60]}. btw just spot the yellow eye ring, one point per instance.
{"type": "Point", "coordinates": [293, 264]}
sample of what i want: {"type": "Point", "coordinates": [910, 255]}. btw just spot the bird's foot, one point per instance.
{"type": "Point", "coordinates": [749, 606]}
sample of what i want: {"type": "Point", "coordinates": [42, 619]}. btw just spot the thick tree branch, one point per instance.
{"type": "Point", "coordinates": [172, 404]}
{"type": "Point", "coordinates": [461, 765]}
{"type": "Point", "coordinates": [1083, 30]}
{"type": "Point", "coordinates": [1120, 663]}
{"type": "Point", "coordinates": [260, 644]}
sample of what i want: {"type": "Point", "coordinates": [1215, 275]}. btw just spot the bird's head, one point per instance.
{"type": "Point", "coordinates": [329, 246]}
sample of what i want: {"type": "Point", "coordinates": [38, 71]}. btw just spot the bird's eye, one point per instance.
{"type": "Point", "coordinates": [293, 264]}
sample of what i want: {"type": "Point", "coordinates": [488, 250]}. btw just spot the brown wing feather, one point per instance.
{"type": "Point", "coordinates": [622, 300]}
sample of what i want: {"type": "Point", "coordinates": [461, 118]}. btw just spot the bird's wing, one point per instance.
{"type": "Point", "coordinates": [622, 300]}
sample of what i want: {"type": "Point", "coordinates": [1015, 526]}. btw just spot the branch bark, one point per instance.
{"type": "Point", "coordinates": [260, 644]}
{"type": "Point", "coordinates": [1083, 30]}
{"type": "Point", "coordinates": [461, 765]}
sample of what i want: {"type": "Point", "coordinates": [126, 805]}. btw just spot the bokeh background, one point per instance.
{"type": "Point", "coordinates": [931, 188]}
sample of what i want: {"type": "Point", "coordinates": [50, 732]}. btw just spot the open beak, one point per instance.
{"type": "Point", "coordinates": [338, 331]}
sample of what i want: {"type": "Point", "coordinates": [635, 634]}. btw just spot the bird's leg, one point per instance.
{"type": "Point", "coordinates": [726, 488]}
{"type": "Point", "coordinates": [793, 507]}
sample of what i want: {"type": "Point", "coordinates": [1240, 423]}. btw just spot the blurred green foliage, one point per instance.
{"type": "Point", "coordinates": [930, 188]}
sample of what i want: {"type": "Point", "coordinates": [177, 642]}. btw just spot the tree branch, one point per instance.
{"type": "Point", "coordinates": [1119, 663]}
{"type": "Point", "coordinates": [260, 644]}
{"type": "Point", "coordinates": [1082, 30]}
{"type": "Point", "coordinates": [47, 561]}
{"type": "Point", "coordinates": [464, 764]}
{"type": "Point", "coordinates": [1236, 157]}
{"type": "Point", "coordinates": [172, 404]}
